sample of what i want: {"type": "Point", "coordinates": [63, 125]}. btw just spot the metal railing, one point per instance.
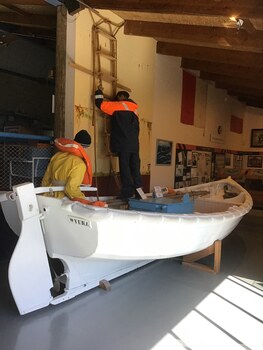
{"type": "Point", "coordinates": [24, 158]}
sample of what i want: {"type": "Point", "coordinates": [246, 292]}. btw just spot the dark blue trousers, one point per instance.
{"type": "Point", "coordinates": [129, 163]}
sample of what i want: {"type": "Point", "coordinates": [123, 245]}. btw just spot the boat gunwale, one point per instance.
{"type": "Point", "coordinates": [235, 209]}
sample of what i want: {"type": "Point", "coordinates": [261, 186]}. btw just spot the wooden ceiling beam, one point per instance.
{"type": "Point", "coordinates": [239, 58]}
{"type": "Point", "coordinates": [31, 32]}
{"type": "Point", "coordinates": [251, 101]}
{"type": "Point", "coordinates": [249, 24]}
{"type": "Point", "coordinates": [240, 82]}
{"type": "Point", "coordinates": [197, 35]}
{"type": "Point", "coordinates": [237, 90]}
{"type": "Point", "coordinates": [231, 70]}
{"type": "Point", "coordinates": [238, 8]}
{"type": "Point", "coordinates": [40, 21]}
{"type": "Point", "coordinates": [24, 2]}
{"type": "Point", "coordinates": [15, 9]}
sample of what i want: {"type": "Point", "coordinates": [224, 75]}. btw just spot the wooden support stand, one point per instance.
{"type": "Point", "coordinates": [104, 284]}
{"type": "Point", "coordinates": [215, 249]}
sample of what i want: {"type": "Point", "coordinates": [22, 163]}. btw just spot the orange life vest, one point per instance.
{"type": "Point", "coordinates": [109, 107]}
{"type": "Point", "coordinates": [73, 147]}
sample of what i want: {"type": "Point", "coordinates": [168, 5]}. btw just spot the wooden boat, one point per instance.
{"type": "Point", "coordinates": [96, 245]}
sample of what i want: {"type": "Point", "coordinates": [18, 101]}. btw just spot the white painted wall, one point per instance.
{"type": "Point", "coordinates": [167, 125]}
{"type": "Point", "coordinates": [156, 84]}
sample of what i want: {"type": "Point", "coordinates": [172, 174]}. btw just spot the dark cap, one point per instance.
{"type": "Point", "coordinates": [122, 93]}
{"type": "Point", "coordinates": [83, 137]}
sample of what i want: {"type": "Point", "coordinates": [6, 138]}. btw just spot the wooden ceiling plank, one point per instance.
{"type": "Point", "coordinates": [238, 8]}
{"type": "Point", "coordinates": [33, 32]}
{"type": "Point", "coordinates": [248, 97]}
{"type": "Point", "coordinates": [29, 20]}
{"type": "Point", "coordinates": [241, 82]}
{"type": "Point", "coordinates": [246, 59]}
{"type": "Point", "coordinates": [250, 24]}
{"type": "Point", "coordinates": [16, 9]}
{"type": "Point", "coordinates": [231, 70]}
{"type": "Point", "coordinates": [237, 90]}
{"type": "Point", "coordinates": [251, 101]}
{"type": "Point", "coordinates": [24, 2]}
{"type": "Point", "coordinates": [198, 35]}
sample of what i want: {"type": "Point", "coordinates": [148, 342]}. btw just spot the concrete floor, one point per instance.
{"type": "Point", "coordinates": [162, 306]}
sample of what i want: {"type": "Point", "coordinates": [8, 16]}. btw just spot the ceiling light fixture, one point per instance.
{"type": "Point", "coordinates": [239, 23]}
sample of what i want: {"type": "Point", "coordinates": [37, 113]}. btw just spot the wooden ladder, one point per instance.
{"type": "Point", "coordinates": [110, 58]}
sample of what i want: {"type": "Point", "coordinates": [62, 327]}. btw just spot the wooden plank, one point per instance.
{"type": "Point", "coordinates": [240, 8]}
{"type": "Point", "coordinates": [217, 255]}
{"type": "Point", "coordinates": [40, 21]}
{"type": "Point", "coordinates": [241, 82]}
{"type": "Point", "coordinates": [215, 249]}
{"type": "Point", "coordinates": [203, 35]}
{"type": "Point", "coordinates": [59, 120]}
{"type": "Point", "coordinates": [235, 89]}
{"type": "Point", "coordinates": [25, 2]}
{"type": "Point", "coordinates": [211, 54]}
{"type": "Point", "coordinates": [230, 69]}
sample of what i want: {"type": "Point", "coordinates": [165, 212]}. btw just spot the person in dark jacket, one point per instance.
{"type": "Point", "coordinates": [124, 139]}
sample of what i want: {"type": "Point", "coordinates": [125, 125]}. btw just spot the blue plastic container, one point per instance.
{"type": "Point", "coordinates": [163, 205]}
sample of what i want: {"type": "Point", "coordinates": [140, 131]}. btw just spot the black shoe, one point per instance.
{"type": "Point", "coordinates": [123, 199]}
{"type": "Point", "coordinates": [137, 195]}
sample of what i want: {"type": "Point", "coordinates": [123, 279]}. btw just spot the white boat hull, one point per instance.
{"type": "Point", "coordinates": [97, 244]}
{"type": "Point", "coordinates": [120, 234]}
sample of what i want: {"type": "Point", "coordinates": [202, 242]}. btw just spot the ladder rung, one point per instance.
{"type": "Point", "coordinates": [106, 76]}
{"type": "Point", "coordinates": [110, 57]}
{"type": "Point", "coordinates": [107, 35]}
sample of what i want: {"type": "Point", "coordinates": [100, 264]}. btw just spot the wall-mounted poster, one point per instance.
{"type": "Point", "coordinates": [189, 158]}
{"type": "Point", "coordinates": [256, 138]}
{"type": "Point", "coordinates": [204, 161]}
{"type": "Point", "coordinates": [192, 167]}
{"type": "Point", "coordinates": [164, 150]}
{"type": "Point", "coordinates": [218, 134]}
{"type": "Point", "coordinates": [195, 156]}
{"type": "Point", "coordinates": [254, 162]}
{"type": "Point", "coordinates": [229, 160]}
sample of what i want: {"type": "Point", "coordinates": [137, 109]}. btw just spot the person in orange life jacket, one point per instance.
{"type": "Point", "coordinates": [124, 140]}
{"type": "Point", "coordinates": [71, 167]}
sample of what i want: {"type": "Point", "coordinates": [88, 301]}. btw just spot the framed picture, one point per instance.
{"type": "Point", "coordinates": [195, 157]}
{"type": "Point", "coordinates": [229, 159]}
{"type": "Point", "coordinates": [189, 158]}
{"type": "Point", "coordinates": [256, 138]}
{"type": "Point", "coordinates": [254, 161]}
{"type": "Point", "coordinates": [164, 150]}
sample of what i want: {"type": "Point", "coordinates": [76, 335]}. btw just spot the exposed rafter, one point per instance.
{"type": "Point", "coordinates": [238, 8]}
{"type": "Point", "coordinates": [245, 59]}
{"type": "Point", "coordinates": [40, 21]}
{"type": "Point", "coordinates": [241, 82]}
{"type": "Point", "coordinates": [203, 35]}
{"type": "Point", "coordinates": [223, 69]}
{"type": "Point", "coordinates": [24, 2]}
